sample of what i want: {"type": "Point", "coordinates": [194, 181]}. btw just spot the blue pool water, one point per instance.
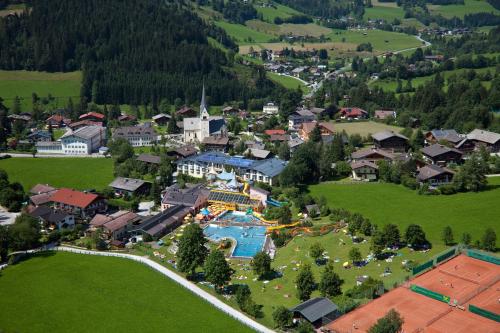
{"type": "Point", "coordinates": [249, 240]}
{"type": "Point", "coordinates": [239, 217]}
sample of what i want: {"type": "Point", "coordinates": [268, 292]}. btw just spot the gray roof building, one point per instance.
{"type": "Point", "coordinates": [129, 185]}
{"type": "Point", "coordinates": [87, 132]}
{"type": "Point", "coordinates": [148, 158]}
{"type": "Point", "coordinates": [318, 311]}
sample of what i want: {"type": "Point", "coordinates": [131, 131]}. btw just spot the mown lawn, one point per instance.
{"type": "Point", "coordinates": [469, 7]}
{"type": "Point", "coordinates": [270, 13]}
{"type": "Point", "coordinates": [23, 83]}
{"type": "Point", "coordinates": [77, 173]}
{"type": "Point", "coordinates": [77, 293]}
{"type": "Point", "coordinates": [384, 13]}
{"type": "Point", "coordinates": [389, 203]}
{"type": "Point", "coordinates": [364, 128]}
{"type": "Point", "coordinates": [380, 40]}
{"type": "Point", "coordinates": [287, 82]}
{"type": "Point", "coordinates": [243, 34]}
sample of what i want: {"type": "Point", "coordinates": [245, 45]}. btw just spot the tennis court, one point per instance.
{"type": "Point", "coordinates": [458, 321]}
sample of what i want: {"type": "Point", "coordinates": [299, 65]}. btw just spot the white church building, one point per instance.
{"type": "Point", "coordinates": [198, 128]}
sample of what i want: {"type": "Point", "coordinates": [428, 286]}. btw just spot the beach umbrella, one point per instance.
{"type": "Point", "coordinates": [205, 212]}
{"type": "Point", "coordinates": [346, 264]}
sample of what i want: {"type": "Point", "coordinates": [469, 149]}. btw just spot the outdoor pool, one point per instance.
{"type": "Point", "coordinates": [238, 217]}
{"type": "Point", "coordinates": [249, 240]}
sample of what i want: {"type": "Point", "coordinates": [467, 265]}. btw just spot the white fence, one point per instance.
{"type": "Point", "coordinates": [180, 280]}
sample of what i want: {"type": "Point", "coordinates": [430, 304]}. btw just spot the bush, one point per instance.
{"type": "Point", "coordinates": [447, 189]}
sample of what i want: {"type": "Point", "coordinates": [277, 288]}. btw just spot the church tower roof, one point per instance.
{"type": "Point", "coordinates": [203, 105]}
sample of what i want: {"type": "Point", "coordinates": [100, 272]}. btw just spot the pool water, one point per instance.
{"type": "Point", "coordinates": [238, 217]}
{"type": "Point", "coordinates": [249, 240]}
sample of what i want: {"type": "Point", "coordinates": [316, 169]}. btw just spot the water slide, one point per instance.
{"type": "Point", "coordinates": [275, 203]}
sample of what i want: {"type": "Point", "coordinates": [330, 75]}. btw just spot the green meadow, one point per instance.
{"type": "Point", "coordinates": [23, 84]}
{"type": "Point", "coordinates": [287, 81]}
{"type": "Point", "coordinates": [73, 172]}
{"type": "Point", "coordinates": [243, 34]}
{"type": "Point", "coordinates": [66, 292]}
{"type": "Point", "coordinates": [380, 40]}
{"type": "Point", "coordinates": [469, 7]}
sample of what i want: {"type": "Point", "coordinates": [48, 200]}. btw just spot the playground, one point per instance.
{"type": "Point", "coordinates": [460, 295]}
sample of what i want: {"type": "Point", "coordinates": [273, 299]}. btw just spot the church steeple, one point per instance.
{"type": "Point", "coordinates": [203, 105]}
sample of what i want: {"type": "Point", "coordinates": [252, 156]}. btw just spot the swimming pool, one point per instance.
{"type": "Point", "coordinates": [238, 217]}
{"type": "Point", "coordinates": [249, 240]}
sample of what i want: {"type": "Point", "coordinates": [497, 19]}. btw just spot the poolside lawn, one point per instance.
{"type": "Point", "coordinates": [80, 293]}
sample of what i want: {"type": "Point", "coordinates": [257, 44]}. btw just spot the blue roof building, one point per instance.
{"type": "Point", "coordinates": [265, 171]}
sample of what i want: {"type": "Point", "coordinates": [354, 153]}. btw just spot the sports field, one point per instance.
{"type": "Point", "coordinates": [386, 203]}
{"type": "Point", "coordinates": [66, 292]}
{"type": "Point", "coordinates": [364, 128]}
{"type": "Point", "coordinates": [23, 83]}
{"type": "Point", "coordinates": [77, 173]}
{"type": "Point", "coordinates": [422, 313]}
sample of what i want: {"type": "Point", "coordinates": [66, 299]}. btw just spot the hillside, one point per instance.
{"type": "Point", "coordinates": [129, 51]}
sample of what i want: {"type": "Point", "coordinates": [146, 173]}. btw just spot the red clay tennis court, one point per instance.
{"type": "Point", "coordinates": [467, 280]}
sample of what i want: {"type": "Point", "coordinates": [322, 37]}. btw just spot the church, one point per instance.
{"type": "Point", "coordinates": [199, 128]}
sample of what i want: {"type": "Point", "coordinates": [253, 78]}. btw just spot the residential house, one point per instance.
{"type": "Point", "coordinates": [83, 123]}
{"type": "Point", "coordinates": [317, 311]}
{"type": "Point", "coordinates": [185, 112]}
{"type": "Point", "coordinates": [137, 136]}
{"type": "Point", "coordinates": [391, 141]}
{"type": "Point", "coordinates": [193, 196]}
{"type": "Point", "coordinates": [57, 121]}
{"type": "Point", "coordinates": [443, 136]}
{"type": "Point", "coordinates": [41, 194]}
{"type": "Point", "coordinates": [364, 170]}
{"type": "Point", "coordinates": [127, 118]}
{"type": "Point", "coordinates": [182, 152]}
{"type": "Point", "coordinates": [149, 159]}
{"type": "Point", "coordinates": [325, 128]}
{"type": "Point", "coordinates": [372, 155]}
{"type": "Point", "coordinates": [39, 135]}
{"type": "Point", "coordinates": [299, 117]}
{"type": "Point", "coordinates": [161, 119]}
{"type": "Point", "coordinates": [52, 218]}
{"type": "Point", "coordinates": [78, 203]}
{"type": "Point", "coordinates": [270, 108]}
{"type": "Point", "coordinates": [257, 154]}
{"type": "Point", "coordinates": [279, 138]}
{"type": "Point", "coordinates": [254, 145]}
{"type": "Point", "coordinates": [198, 128]}
{"type": "Point", "coordinates": [294, 143]}
{"type": "Point", "coordinates": [385, 114]}
{"type": "Point", "coordinates": [215, 143]}
{"type": "Point", "coordinates": [230, 111]}
{"type": "Point", "coordinates": [441, 155]}
{"type": "Point", "coordinates": [129, 186]}
{"type": "Point", "coordinates": [434, 175]}
{"type": "Point", "coordinates": [477, 138]}
{"type": "Point", "coordinates": [353, 113]}
{"type": "Point", "coordinates": [24, 117]}
{"type": "Point", "coordinates": [198, 166]}
{"type": "Point", "coordinates": [115, 226]}
{"type": "Point", "coordinates": [274, 132]}
{"type": "Point", "coordinates": [92, 116]}
{"type": "Point", "coordinates": [318, 112]}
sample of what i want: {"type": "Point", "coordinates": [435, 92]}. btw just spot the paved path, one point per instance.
{"type": "Point", "coordinates": [180, 280]}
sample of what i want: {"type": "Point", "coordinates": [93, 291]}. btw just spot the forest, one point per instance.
{"type": "Point", "coordinates": [131, 52]}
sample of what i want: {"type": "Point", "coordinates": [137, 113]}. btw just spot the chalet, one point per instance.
{"type": "Point", "coordinates": [182, 152]}
{"type": "Point", "coordinates": [193, 196]}
{"type": "Point", "coordinates": [257, 154]}
{"type": "Point", "coordinates": [391, 141]}
{"type": "Point", "coordinates": [129, 186]}
{"type": "Point", "coordinates": [318, 112]}
{"type": "Point", "coordinates": [299, 117]}
{"type": "Point", "coordinates": [279, 138]}
{"type": "Point", "coordinates": [294, 143]}
{"type": "Point", "coordinates": [41, 194]}
{"type": "Point", "coordinates": [80, 204]}
{"type": "Point", "coordinates": [83, 123]}
{"type": "Point", "coordinates": [185, 112]}
{"type": "Point", "coordinates": [92, 116]}
{"type": "Point", "coordinates": [57, 121]}
{"type": "Point", "coordinates": [39, 136]}
{"type": "Point", "coordinates": [325, 128]}
{"type": "Point", "coordinates": [441, 155]}
{"type": "Point", "coordinates": [137, 136]}
{"type": "Point", "coordinates": [22, 117]}
{"type": "Point", "coordinates": [274, 132]}
{"type": "Point", "coordinates": [149, 159]}
{"type": "Point", "coordinates": [126, 118]}
{"type": "Point", "coordinates": [215, 143]}
{"type": "Point", "coordinates": [230, 111]}
{"type": "Point", "coordinates": [477, 138]}
{"type": "Point", "coordinates": [385, 114]}
{"type": "Point", "coordinates": [52, 218]}
{"type": "Point", "coordinates": [434, 175]}
{"type": "Point", "coordinates": [353, 113]}
{"type": "Point", "coordinates": [443, 135]}
{"type": "Point", "coordinates": [364, 170]}
{"type": "Point", "coordinates": [270, 108]}
{"type": "Point", "coordinates": [437, 57]}
{"type": "Point", "coordinates": [372, 155]}
{"type": "Point", "coordinates": [317, 311]}
{"type": "Point", "coordinates": [115, 226]}
{"type": "Point", "coordinates": [161, 119]}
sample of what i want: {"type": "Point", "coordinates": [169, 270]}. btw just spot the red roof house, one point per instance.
{"type": "Point", "coordinates": [275, 132]}
{"type": "Point", "coordinates": [351, 113]}
{"type": "Point", "coordinates": [78, 203]}
{"type": "Point", "coordinates": [96, 116]}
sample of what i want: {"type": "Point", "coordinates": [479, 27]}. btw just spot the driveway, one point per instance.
{"type": "Point", "coordinates": [6, 217]}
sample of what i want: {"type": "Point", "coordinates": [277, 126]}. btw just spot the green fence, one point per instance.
{"type": "Point", "coordinates": [483, 256]}
{"type": "Point", "coordinates": [430, 293]}
{"type": "Point", "coordinates": [484, 313]}
{"type": "Point", "coordinates": [446, 255]}
{"type": "Point", "coordinates": [422, 267]}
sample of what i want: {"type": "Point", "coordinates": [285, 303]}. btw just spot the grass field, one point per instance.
{"type": "Point", "coordinates": [243, 34]}
{"type": "Point", "coordinates": [391, 85]}
{"type": "Point", "coordinates": [364, 128]}
{"type": "Point", "coordinates": [78, 173]}
{"type": "Point", "coordinates": [384, 13]}
{"type": "Point", "coordinates": [24, 83]}
{"type": "Point", "coordinates": [287, 82]}
{"type": "Point", "coordinates": [270, 13]}
{"type": "Point", "coordinates": [389, 203]}
{"type": "Point", "coordinates": [78, 293]}
{"type": "Point", "coordinates": [469, 7]}
{"type": "Point", "coordinates": [380, 40]}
